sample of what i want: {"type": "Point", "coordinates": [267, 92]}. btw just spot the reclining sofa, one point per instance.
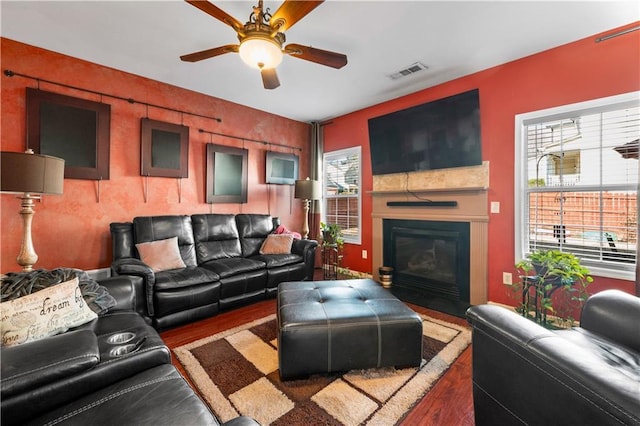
{"type": "Point", "coordinates": [526, 374]}
{"type": "Point", "coordinates": [223, 265]}
{"type": "Point", "coordinates": [114, 369]}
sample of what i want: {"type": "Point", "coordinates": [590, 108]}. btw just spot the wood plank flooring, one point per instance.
{"type": "Point", "coordinates": [449, 402]}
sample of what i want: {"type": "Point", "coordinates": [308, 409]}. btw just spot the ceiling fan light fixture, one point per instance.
{"type": "Point", "coordinates": [262, 38]}
{"type": "Point", "coordinates": [259, 52]}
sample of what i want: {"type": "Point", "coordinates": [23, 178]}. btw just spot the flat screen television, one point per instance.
{"type": "Point", "coordinates": [436, 135]}
{"type": "Point", "coordinates": [281, 169]}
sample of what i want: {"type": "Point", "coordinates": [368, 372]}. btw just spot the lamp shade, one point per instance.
{"type": "Point", "coordinates": [308, 189]}
{"type": "Point", "coordinates": [31, 173]}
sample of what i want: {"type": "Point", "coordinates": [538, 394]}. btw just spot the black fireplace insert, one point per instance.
{"type": "Point", "coordinates": [430, 258]}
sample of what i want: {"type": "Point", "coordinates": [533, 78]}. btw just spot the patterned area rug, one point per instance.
{"type": "Point", "coordinates": [236, 372]}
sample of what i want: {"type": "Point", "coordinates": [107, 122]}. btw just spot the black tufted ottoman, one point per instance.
{"type": "Point", "coordinates": [327, 326]}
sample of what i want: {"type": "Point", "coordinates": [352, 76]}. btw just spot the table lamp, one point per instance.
{"type": "Point", "coordinates": [307, 190]}
{"type": "Point", "coordinates": [29, 175]}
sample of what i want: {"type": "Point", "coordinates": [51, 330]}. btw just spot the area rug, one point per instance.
{"type": "Point", "coordinates": [236, 372]}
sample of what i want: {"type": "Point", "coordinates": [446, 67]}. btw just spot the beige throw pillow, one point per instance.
{"type": "Point", "coordinates": [277, 244]}
{"type": "Point", "coordinates": [161, 255]}
{"type": "Point", "coordinates": [44, 313]}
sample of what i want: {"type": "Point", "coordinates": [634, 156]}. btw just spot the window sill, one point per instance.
{"type": "Point", "coordinates": [612, 273]}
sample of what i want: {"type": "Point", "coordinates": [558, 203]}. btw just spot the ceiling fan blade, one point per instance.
{"type": "Point", "coordinates": [319, 56]}
{"type": "Point", "coordinates": [269, 78]}
{"type": "Point", "coordinates": [290, 12]}
{"type": "Point", "coordinates": [209, 53]}
{"type": "Point", "coordinates": [217, 13]}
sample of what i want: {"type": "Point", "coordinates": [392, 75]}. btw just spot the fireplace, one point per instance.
{"type": "Point", "coordinates": [428, 257]}
{"type": "Point", "coordinates": [441, 212]}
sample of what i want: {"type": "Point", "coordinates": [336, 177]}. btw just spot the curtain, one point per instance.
{"type": "Point", "coordinates": [315, 172]}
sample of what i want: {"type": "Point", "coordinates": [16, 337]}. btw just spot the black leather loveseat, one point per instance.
{"type": "Point", "coordinates": [223, 266]}
{"type": "Point", "coordinates": [112, 370]}
{"type": "Point", "coordinates": [588, 375]}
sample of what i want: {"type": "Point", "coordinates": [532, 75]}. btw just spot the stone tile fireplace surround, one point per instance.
{"type": "Point", "coordinates": [467, 186]}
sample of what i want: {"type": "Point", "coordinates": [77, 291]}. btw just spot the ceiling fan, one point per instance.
{"type": "Point", "coordinates": [262, 39]}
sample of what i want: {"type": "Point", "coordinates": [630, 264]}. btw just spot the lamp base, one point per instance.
{"type": "Point", "coordinates": [27, 256]}
{"type": "Point", "coordinates": [305, 225]}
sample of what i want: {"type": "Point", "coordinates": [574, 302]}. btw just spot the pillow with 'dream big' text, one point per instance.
{"type": "Point", "coordinates": [17, 284]}
{"type": "Point", "coordinates": [161, 255]}
{"type": "Point", "coordinates": [277, 244]}
{"type": "Point", "coordinates": [44, 313]}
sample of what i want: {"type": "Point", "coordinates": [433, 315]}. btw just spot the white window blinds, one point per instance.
{"type": "Point", "coordinates": [580, 188]}
{"type": "Point", "coordinates": [341, 186]}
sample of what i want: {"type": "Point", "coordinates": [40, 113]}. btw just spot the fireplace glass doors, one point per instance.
{"type": "Point", "coordinates": [429, 257]}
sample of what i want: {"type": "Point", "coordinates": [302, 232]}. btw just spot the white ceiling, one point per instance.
{"type": "Point", "coordinates": [452, 38]}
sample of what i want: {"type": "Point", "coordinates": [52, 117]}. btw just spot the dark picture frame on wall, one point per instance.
{"type": "Point", "coordinates": [164, 149]}
{"type": "Point", "coordinates": [77, 130]}
{"type": "Point", "coordinates": [227, 174]}
{"type": "Point", "coordinates": [281, 168]}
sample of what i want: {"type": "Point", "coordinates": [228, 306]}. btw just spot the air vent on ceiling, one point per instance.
{"type": "Point", "coordinates": [411, 69]}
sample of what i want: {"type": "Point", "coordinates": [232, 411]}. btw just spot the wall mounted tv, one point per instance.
{"type": "Point", "coordinates": [436, 135]}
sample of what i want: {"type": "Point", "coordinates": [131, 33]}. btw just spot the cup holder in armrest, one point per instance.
{"type": "Point", "coordinates": [122, 350]}
{"type": "Point", "coordinates": [126, 349]}
{"type": "Point", "coordinates": [120, 338]}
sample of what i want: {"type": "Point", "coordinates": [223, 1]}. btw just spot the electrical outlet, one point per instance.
{"type": "Point", "coordinates": [507, 278]}
{"type": "Point", "coordinates": [364, 254]}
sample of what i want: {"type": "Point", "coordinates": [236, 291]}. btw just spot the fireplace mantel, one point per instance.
{"type": "Point", "coordinates": [472, 178]}
{"type": "Point", "coordinates": [467, 186]}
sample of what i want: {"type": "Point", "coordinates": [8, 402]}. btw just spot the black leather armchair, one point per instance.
{"type": "Point", "coordinates": [526, 374]}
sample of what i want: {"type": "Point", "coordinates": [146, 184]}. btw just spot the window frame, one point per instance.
{"type": "Point", "coordinates": [621, 101]}
{"type": "Point", "coordinates": [357, 150]}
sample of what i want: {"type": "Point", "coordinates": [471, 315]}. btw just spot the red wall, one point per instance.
{"type": "Point", "coordinates": [571, 73]}
{"type": "Point", "coordinates": [72, 230]}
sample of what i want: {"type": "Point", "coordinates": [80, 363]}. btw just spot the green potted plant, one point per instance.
{"type": "Point", "coordinates": [553, 286]}
{"type": "Point", "coordinates": [331, 234]}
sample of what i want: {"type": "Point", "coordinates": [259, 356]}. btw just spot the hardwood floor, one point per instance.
{"type": "Point", "coordinates": [448, 403]}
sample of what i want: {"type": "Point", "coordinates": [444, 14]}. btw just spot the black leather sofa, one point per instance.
{"type": "Point", "coordinates": [223, 265]}
{"type": "Point", "coordinates": [587, 375]}
{"type": "Point", "coordinates": [93, 375]}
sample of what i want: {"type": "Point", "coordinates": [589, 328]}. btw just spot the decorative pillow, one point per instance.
{"type": "Point", "coordinates": [277, 244]}
{"type": "Point", "coordinates": [97, 296]}
{"type": "Point", "coordinates": [44, 313]}
{"type": "Point", "coordinates": [161, 255]}
{"type": "Point", "coordinates": [18, 284]}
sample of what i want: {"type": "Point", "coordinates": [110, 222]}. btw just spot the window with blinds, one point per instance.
{"type": "Point", "coordinates": [577, 183]}
{"type": "Point", "coordinates": [341, 187]}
